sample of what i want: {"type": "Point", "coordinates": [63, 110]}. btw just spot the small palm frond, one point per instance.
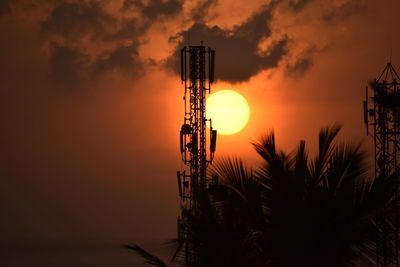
{"type": "Point", "coordinates": [326, 137]}
{"type": "Point", "coordinates": [326, 146]}
{"type": "Point", "coordinates": [233, 174]}
{"type": "Point", "coordinates": [266, 147]}
{"type": "Point", "coordinates": [243, 194]}
{"type": "Point", "coordinates": [276, 163]}
{"type": "Point", "coordinates": [346, 170]}
{"type": "Point", "coordinates": [176, 245]}
{"type": "Point", "coordinates": [299, 163]}
{"type": "Point", "coordinates": [147, 256]}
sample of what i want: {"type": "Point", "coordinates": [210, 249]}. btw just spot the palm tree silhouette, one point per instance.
{"type": "Point", "coordinates": [293, 210]}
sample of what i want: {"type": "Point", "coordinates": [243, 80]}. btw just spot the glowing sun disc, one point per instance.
{"type": "Point", "coordinates": [228, 110]}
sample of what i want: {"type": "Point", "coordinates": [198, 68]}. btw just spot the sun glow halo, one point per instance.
{"type": "Point", "coordinates": [228, 110]}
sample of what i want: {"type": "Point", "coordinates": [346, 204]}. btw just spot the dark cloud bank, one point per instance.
{"type": "Point", "coordinates": [67, 64]}
{"type": "Point", "coordinates": [238, 55]}
{"type": "Point", "coordinates": [71, 22]}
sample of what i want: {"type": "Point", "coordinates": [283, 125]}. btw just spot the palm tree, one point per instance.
{"type": "Point", "coordinates": [319, 212]}
{"type": "Point", "coordinates": [292, 210]}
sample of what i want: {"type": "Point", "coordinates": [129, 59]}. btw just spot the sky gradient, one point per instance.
{"type": "Point", "coordinates": [91, 102]}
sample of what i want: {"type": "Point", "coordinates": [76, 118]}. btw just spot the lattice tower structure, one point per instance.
{"type": "Point", "coordinates": [382, 115]}
{"type": "Point", "coordinates": [197, 75]}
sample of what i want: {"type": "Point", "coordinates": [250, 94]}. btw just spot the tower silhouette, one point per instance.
{"type": "Point", "coordinates": [197, 75]}
{"type": "Point", "coordinates": [382, 114]}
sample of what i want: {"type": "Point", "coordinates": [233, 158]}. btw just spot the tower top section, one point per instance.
{"type": "Point", "coordinates": [197, 64]}
{"type": "Point", "coordinates": [389, 74]}
{"type": "Point", "coordinates": [387, 88]}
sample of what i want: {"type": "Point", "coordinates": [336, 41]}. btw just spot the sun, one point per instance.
{"type": "Point", "coordinates": [228, 110]}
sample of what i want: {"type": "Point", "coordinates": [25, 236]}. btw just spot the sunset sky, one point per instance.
{"type": "Point", "coordinates": [91, 104]}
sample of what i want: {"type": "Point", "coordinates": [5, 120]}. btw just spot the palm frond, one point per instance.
{"type": "Point", "coordinates": [266, 147]}
{"type": "Point", "coordinates": [233, 174]}
{"type": "Point", "coordinates": [243, 192]}
{"type": "Point", "coordinates": [147, 256]}
{"type": "Point", "coordinates": [299, 163]}
{"type": "Point", "coordinates": [325, 147]}
{"type": "Point", "coordinates": [276, 163]}
{"type": "Point", "coordinates": [176, 245]}
{"type": "Point", "coordinates": [346, 170]}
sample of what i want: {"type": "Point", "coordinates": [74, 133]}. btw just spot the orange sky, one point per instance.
{"type": "Point", "coordinates": [91, 104]}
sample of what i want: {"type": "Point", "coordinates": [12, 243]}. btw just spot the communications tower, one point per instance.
{"type": "Point", "coordinates": [383, 115]}
{"type": "Point", "coordinates": [197, 75]}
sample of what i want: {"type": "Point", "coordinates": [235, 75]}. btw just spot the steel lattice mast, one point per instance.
{"type": "Point", "coordinates": [383, 114]}
{"type": "Point", "coordinates": [197, 74]}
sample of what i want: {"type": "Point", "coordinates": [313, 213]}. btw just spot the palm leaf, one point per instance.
{"type": "Point", "coordinates": [325, 146]}
{"type": "Point", "coordinates": [147, 256]}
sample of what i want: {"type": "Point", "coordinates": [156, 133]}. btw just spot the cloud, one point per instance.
{"type": "Point", "coordinates": [86, 40]}
{"type": "Point", "coordinates": [238, 56]}
{"type": "Point", "coordinates": [111, 39]}
{"type": "Point", "coordinates": [344, 10]}
{"type": "Point", "coordinates": [302, 63]}
{"type": "Point", "coordinates": [67, 65]}
{"type": "Point", "coordinates": [155, 8]}
{"type": "Point", "coordinates": [130, 29]}
{"type": "Point", "coordinates": [300, 67]}
{"type": "Point", "coordinates": [123, 58]}
{"type": "Point", "coordinates": [297, 5]}
{"type": "Point", "coordinates": [72, 20]}
{"type": "Point", "coordinates": [200, 11]}
{"type": "Point", "coordinates": [108, 39]}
